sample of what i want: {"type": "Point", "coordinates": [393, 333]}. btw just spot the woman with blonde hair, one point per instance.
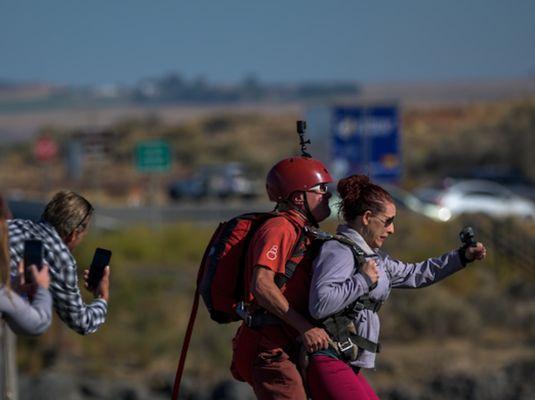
{"type": "Point", "coordinates": [22, 316]}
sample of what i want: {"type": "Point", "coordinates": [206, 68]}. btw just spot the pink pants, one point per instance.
{"type": "Point", "coordinates": [329, 378]}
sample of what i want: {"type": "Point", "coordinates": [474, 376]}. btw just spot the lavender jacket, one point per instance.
{"type": "Point", "coordinates": [335, 284]}
{"type": "Point", "coordinates": [23, 317]}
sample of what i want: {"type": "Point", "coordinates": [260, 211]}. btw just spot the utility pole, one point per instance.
{"type": "Point", "coordinates": [8, 363]}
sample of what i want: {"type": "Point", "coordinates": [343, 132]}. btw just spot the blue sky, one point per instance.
{"type": "Point", "coordinates": [97, 41]}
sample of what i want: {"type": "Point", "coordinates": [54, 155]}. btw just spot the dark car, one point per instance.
{"type": "Point", "coordinates": [217, 181]}
{"type": "Point", "coordinates": [192, 188]}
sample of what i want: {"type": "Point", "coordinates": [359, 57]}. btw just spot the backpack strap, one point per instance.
{"type": "Point", "coordinates": [358, 253]}
{"type": "Point", "coordinates": [262, 317]}
{"type": "Point", "coordinates": [240, 287]}
{"type": "Point", "coordinates": [290, 267]}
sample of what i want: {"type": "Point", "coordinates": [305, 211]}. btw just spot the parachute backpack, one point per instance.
{"type": "Point", "coordinates": [220, 280]}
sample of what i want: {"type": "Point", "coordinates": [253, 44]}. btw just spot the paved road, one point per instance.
{"type": "Point", "coordinates": [113, 217]}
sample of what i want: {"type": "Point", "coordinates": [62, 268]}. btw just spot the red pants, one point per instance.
{"type": "Point", "coordinates": [332, 379]}
{"type": "Point", "coordinates": [268, 368]}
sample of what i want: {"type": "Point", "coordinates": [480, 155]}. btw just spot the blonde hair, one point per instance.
{"type": "Point", "coordinates": [68, 212]}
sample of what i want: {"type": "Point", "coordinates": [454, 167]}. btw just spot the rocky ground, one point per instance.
{"type": "Point", "coordinates": [477, 377]}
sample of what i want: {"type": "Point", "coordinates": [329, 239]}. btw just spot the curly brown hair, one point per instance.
{"type": "Point", "coordinates": [359, 194]}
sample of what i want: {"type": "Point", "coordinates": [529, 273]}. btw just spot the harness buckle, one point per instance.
{"type": "Point", "coordinates": [345, 346]}
{"type": "Point", "coordinates": [244, 314]}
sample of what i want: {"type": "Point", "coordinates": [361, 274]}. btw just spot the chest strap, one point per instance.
{"type": "Point", "coordinates": [363, 302]}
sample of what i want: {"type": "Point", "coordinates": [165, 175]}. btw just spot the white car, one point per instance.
{"type": "Point", "coordinates": [486, 197]}
{"type": "Point", "coordinates": [405, 200]}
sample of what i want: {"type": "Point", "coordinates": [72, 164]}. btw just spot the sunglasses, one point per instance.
{"type": "Point", "coordinates": [387, 222]}
{"type": "Point", "coordinates": [89, 211]}
{"type": "Point", "coordinates": [322, 188]}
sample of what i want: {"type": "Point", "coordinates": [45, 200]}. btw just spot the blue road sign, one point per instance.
{"type": "Point", "coordinates": [365, 140]}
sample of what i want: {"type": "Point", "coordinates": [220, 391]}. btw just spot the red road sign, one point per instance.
{"type": "Point", "coordinates": [45, 148]}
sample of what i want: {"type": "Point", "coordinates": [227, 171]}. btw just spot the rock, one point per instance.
{"type": "Point", "coordinates": [514, 382]}
{"type": "Point", "coordinates": [398, 393]}
{"type": "Point", "coordinates": [458, 386]}
{"type": "Point", "coordinates": [233, 390]}
{"type": "Point", "coordinates": [162, 383]}
{"type": "Point", "coordinates": [520, 380]}
{"type": "Point", "coordinates": [49, 386]}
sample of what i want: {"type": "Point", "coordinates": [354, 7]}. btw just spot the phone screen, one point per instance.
{"type": "Point", "coordinates": [100, 260]}
{"type": "Point", "coordinates": [33, 255]}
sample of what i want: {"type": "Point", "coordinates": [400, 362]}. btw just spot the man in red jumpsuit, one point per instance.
{"type": "Point", "coordinates": [266, 356]}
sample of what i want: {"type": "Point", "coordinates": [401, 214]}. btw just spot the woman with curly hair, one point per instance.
{"type": "Point", "coordinates": [352, 278]}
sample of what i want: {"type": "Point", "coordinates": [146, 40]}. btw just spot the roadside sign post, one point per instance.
{"type": "Point", "coordinates": [8, 363]}
{"type": "Point", "coordinates": [45, 150]}
{"type": "Point", "coordinates": [153, 157]}
{"type": "Point", "coordinates": [365, 140]}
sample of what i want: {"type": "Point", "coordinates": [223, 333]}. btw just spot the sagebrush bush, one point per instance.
{"type": "Point", "coordinates": [434, 312]}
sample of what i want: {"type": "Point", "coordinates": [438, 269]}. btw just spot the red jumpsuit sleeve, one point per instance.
{"type": "Point", "coordinates": [272, 244]}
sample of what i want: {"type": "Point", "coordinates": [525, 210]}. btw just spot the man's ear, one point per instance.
{"type": "Point", "coordinates": [297, 198]}
{"type": "Point", "coordinates": [70, 238]}
{"type": "Point", "coordinates": [366, 217]}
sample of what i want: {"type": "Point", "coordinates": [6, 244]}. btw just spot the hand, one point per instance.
{"type": "Point", "coordinates": [20, 282]}
{"type": "Point", "coordinates": [478, 252]}
{"type": "Point", "coordinates": [103, 288]}
{"type": "Point", "coordinates": [370, 269]}
{"type": "Point", "coordinates": [315, 339]}
{"type": "Point", "coordinates": [42, 277]}
{"type": "Point", "coordinates": [21, 286]}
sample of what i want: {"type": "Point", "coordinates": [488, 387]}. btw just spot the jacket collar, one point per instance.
{"type": "Point", "coordinates": [352, 234]}
{"type": "Point", "coordinates": [296, 216]}
{"type": "Point", "coordinates": [47, 226]}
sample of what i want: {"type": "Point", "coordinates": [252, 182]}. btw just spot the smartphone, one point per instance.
{"type": "Point", "coordinates": [101, 259]}
{"type": "Point", "coordinates": [33, 255]}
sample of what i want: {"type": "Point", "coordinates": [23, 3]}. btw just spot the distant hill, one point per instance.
{"type": "Point", "coordinates": [173, 89]}
{"type": "Point", "coordinates": [450, 92]}
{"type": "Point", "coordinates": [26, 107]}
{"type": "Point", "coordinates": [166, 90]}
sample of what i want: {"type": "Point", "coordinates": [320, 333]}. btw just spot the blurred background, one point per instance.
{"type": "Point", "coordinates": [167, 117]}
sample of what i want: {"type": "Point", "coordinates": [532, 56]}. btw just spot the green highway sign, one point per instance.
{"type": "Point", "coordinates": [153, 156]}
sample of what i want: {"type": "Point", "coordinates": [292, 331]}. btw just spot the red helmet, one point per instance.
{"type": "Point", "coordinates": [293, 174]}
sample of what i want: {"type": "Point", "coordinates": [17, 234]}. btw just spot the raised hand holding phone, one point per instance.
{"type": "Point", "coordinates": [33, 255]}
{"type": "Point", "coordinates": [96, 278]}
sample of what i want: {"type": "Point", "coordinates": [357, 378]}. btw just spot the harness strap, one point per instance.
{"type": "Point", "coordinates": [341, 326]}
{"type": "Point", "coordinates": [344, 336]}
{"type": "Point", "coordinates": [260, 319]}
{"type": "Point", "coordinates": [369, 304]}
{"type": "Point", "coordinates": [346, 347]}
{"type": "Point", "coordinates": [290, 267]}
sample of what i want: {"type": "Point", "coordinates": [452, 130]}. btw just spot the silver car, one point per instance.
{"type": "Point", "coordinates": [486, 197]}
